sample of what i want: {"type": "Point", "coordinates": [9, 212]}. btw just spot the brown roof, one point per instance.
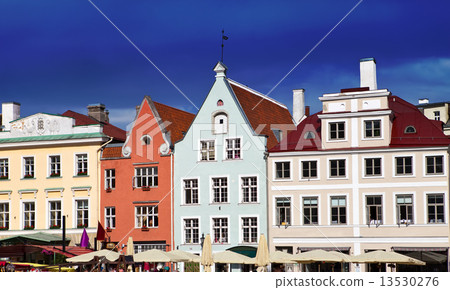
{"type": "Point", "coordinates": [179, 120]}
{"type": "Point", "coordinates": [112, 152]}
{"type": "Point", "coordinates": [261, 110]}
{"type": "Point", "coordinates": [108, 129]}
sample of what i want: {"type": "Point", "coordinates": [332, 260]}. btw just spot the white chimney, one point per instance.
{"type": "Point", "coordinates": [298, 105]}
{"type": "Point", "coordinates": [10, 112]}
{"type": "Point", "coordinates": [368, 73]}
{"type": "Point", "coordinates": [423, 101]}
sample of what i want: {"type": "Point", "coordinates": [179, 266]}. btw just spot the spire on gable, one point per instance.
{"type": "Point", "coordinates": [221, 70]}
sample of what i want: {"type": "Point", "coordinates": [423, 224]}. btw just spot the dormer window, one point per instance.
{"type": "Point", "coordinates": [310, 135]}
{"type": "Point", "coordinates": [220, 123]}
{"type": "Point", "coordinates": [410, 130]}
{"type": "Point", "coordinates": [146, 140]}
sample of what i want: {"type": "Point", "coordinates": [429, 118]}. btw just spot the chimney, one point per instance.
{"type": "Point", "coordinates": [98, 112]}
{"type": "Point", "coordinates": [298, 105]}
{"type": "Point", "coordinates": [423, 101]}
{"type": "Point", "coordinates": [10, 112]}
{"type": "Point", "coordinates": [368, 73]}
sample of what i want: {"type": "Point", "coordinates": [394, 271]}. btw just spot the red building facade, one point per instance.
{"type": "Point", "coordinates": [137, 179]}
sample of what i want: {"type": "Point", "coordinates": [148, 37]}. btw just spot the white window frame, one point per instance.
{"type": "Point", "coordinates": [183, 194]}
{"type": "Point", "coordinates": [150, 214]}
{"type": "Point", "coordinates": [300, 174]}
{"type": "Point", "coordinates": [75, 211]}
{"type": "Point", "coordinates": [225, 149]}
{"type": "Point", "coordinates": [207, 150]}
{"type": "Point", "coordinates": [49, 165]}
{"type": "Point", "coordinates": [413, 164]}
{"type": "Point", "coordinates": [241, 188]}
{"type": "Point", "coordinates": [183, 229]}
{"type": "Point", "coordinates": [22, 212]}
{"type": "Point", "coordinates": [211, 183]}
{"type": "Point", "coordinates": [302, 197]}
{"type": "Point", "coordinates": [328, 131]}
{"type": "Point", "coordinates": [23, 166]}
{"type": "Point", "coordinates": [274, 170]}
{"type": "Point", "coordinates": [228, 229]}
{"type": "Point", "coordinates": [109, 179]}
{"type": "Point", "coordinates": [363, 129]}
{"type": "Point", "coordinates": [7, 166]}
{"type": "Point", "coordinates": [383, 207]}
{"type": "Point", "coordinates": [148, 176]}
{"type": "Point", "coordinates": [75, 163]}
{"type": "Point", "coordinates": [48, 219]}
{"type": "Point", "coordinates": [241, 229]}
{"type": "Point", "coordinates": [274, 210]}
{"type": "Point", "coordinates": [414, 206]}
{"type": "Point", "coordinates": [425, 207]}
{"type": "Point", "coordinates": [7, 213]}
{"type": "Point", "coordinates": [437, 117]}
{"type": "Point", "coordinates": [444, 165]}
{"type": "Point", "coordinates": [347, 211]}
{"type": "Point", "coordinates": [347, 168]}
{"type": "Point", "coordinates": [110, 217]}
{"type": "Point", "coordinates": [382, 168]}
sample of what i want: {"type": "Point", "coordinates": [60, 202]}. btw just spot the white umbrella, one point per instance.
{"type": "Point", "coordinates": [157, 256]}
{"type": "Point", "coordinates": [262, 255]}
{"type": "Point", "coordinates": [207, 259]}
{"type": "Point", "coordinates": [386, 257]}
{"type": "Point", "coordinates": [229, 257]}
{"type": "Point", "coordinates": [108, 254]}
{"type": "Point", "coordinates": [186, 255]}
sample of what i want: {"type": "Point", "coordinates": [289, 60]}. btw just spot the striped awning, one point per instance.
{"type": "Point", "coordinates": [419, 249]}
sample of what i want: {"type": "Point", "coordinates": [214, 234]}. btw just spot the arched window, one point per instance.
{"type": "Point", "coordinates": [220, 123]}
{"type": "Point", "coordinates": [410, 130]}
{"type": "Point", "coordinates": [146, 140]}
{"type": "Point", "coordinates": [219, 103]}
{"type": "Point", "coordinates": [310, 135]}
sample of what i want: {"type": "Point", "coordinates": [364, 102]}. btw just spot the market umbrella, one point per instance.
{"type": "Point", "coordinates": [130, 246]}
{"type": "Point", "coordinates": [84, 243]}
{"type": "Point", "coordinates": [386, 257]}
{"type": "Point", "coordinates": [207, 258]}
{"type": "Point", "coordinates": [108, 254]}
{"type": "Point", "coordinates": [229, 257]}
{"type": "Point", "coordinates": [321, 256]}
{"type": "Point", "coordinates": [262, 255]}
{"type": "Point", "coordinates": [157, 256]}
{"type": "Point", "coordinates": [186, 255]}
{"type": "Point", "coordinates": [280, 257]}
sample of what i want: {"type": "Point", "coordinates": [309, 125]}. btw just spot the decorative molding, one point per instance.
{"type": "Point", "coordinates": [8, 192]}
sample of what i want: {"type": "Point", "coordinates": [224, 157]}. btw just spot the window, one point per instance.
{"type": "Point", "coordinates": [403, 165]}
{"type": "Point", "coordinates": [208, 152]}
{"type": "Point", "coordinates": [249, 189]}
{"type": "Point", "coordinates": [436, 213]}
{"type": "Point", "coordinates": [191, 231]}
{"type": "Point", "coordinates": [110, 178]}
{"type": "Point", "coordinates": [404, 209]}
{"type": "Point", "coordinates": [4, 169]}
{"type": "Point", "coordinates": [283, 211]}
{"type": "Point", "coordinates": [309, 169]}
{"type": "Point", "coordinates": [373, 166]}
{"type": "Point", "coordinates": [233, 148]}
{"type": "Point", "coordinates": [283, 170]}
{"type": "Point", "coordinates": [337, 168]}
{"type": "Point", "coordinates": [437, 115]}
{"type": "Point", "coordinates": [55, 166]}
{"type": "Point", "coordinates": [220, 189]}
{"type": "Point", "coordinates": [55, 214]}
{"type": "Point", "coordinates": [81, 164]}
{"type": "Point", "coordinates": [310, 211]}
{"type": "Point", "coordinates": [337, 130]}
{"type": "Point", "coordinates": [410, 130]}
{"type": "Point", "coordinates": [110, 217]}
{"type": "Point", "coordinates": [374, 209]}
{"type": "Point", "coordinates": [220, 123]}
{"type": "Point", "coordinates": [146, 140]}
{"type": "Point", "coordinates": [191, 191]}
{"type": "Point", "coordinates": [146, 177]}
{"type": "Point", "coordinates": [82, 208]}
{"type": "Point", "coordinates": [29, 215]}
{"type": "Point", "coordinates": [338, 210]}
{"type": "Point", "coordinates": [220, 230]}
{"type": "Point", "coordinates": [28, 167]}
{"type": "Point", "coordinates": [147, 216]}
{"type": "Point", "coordinates": [372, 128]}
{"type": "Point", "coordinates": [249, 230]}
{"type": "Point", "coordinates": [4, 216]}
{"type": "Point", "coordinates": [435, 164]}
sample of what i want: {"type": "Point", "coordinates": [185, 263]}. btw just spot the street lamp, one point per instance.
{"type": "Point", "coordinates": [202, 240]}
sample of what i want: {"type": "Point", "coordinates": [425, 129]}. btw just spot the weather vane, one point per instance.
{"type": "Point", "coordinates": [223, 38]}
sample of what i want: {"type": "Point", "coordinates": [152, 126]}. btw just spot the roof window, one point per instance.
{"type": "Point", "coordinates": [410, 129]}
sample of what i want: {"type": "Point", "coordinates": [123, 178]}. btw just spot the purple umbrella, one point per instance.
{"type": "Point", "coordinates": [84, 243]}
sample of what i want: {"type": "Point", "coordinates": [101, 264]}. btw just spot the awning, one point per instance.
{"type": "Point", "coordinates": [420, 249]}
{"type": "Point", "coordinates": [337, 249]}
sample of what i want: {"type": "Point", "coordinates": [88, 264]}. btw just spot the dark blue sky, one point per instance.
{"type": "Point", "coordinates": [60, 55]}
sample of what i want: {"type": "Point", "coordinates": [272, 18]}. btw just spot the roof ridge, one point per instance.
{"type": "Point", "coordinates": [255, 92]}
{"type": "Point", "coordinates": [173, 108]}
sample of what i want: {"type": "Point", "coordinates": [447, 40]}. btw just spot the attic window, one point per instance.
{"type": "Point", "coordinates": [146, 140]}
{"type": "Point", "coordinates": [410, 130]}
{"type": "Point", "coordinates": [219, 103]}
{"type": "Point", "coordinates": [220, 123]}
{"type": "Point", "coordinates": [310, 135]}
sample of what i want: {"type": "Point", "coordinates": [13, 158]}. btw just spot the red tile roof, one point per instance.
{"type": "Point", "coordinates": [179, 120]}
{"type": "Point", "coordinates": [112, 152]}
{"type": "Point", "coordinates": [108, 129]}
{"type": "Point", "coordinates": [428, 132]}
{"type": "Point", "coordinates": [261, 110]}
